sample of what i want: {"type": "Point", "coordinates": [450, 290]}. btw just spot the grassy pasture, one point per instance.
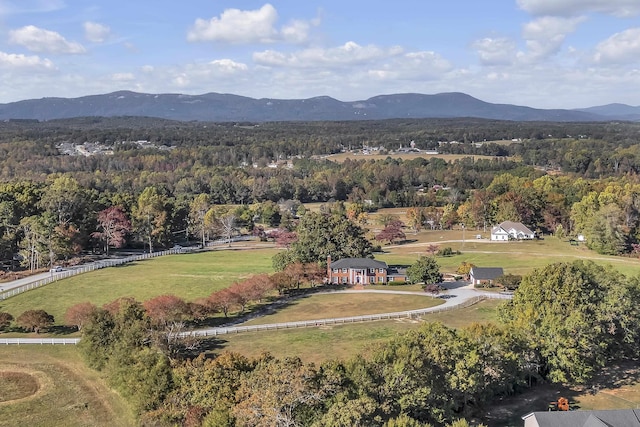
{"type": "Point", "coordinates": [188, 276]}
{"type": "Point", "coordinates": [342, 342]}
{"type": "Point", "coordinates": [328, 306]}
{"type": "Point", "coordinates": [515, 257]}
{"type": "Point", "coordinates": [50, 386]}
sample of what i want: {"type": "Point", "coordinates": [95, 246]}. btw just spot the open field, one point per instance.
{"type": "Point", "coordinates": [341, 157]}
{"type": "Point", "coordinates": [515, 257]}
{"type": "Point", "coordinates": [50, 386]}
{"type": "Point", "coordinates": [188, 276]}
{"type": "Point", "coordinates": [329, 306]}
{"type": "Point", "coordinates": [191, 276]}
{"type": "Point", "coordinates": [342, 342]}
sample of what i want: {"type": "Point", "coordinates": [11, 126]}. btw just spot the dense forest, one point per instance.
{"type": "Point", "coordinates": [190, 179]}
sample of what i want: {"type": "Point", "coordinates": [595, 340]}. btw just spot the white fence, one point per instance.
{"type": "Point", "coordinates": [41, 341]}
{"type": "Point", "coordinates": [412, 314]}
{"type": "Point", "coordinates": [84, 269]}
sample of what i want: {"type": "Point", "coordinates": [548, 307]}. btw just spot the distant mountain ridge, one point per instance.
{"type": "Point", "coordinates": [218, 107]}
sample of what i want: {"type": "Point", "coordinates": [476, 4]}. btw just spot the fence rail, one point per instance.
{"type": "Point", "coordinates": [41, 341]}
{"type": "Point", "coordinates": [85, 269]}
{"type": "Point", "coordinates": [412, 314]}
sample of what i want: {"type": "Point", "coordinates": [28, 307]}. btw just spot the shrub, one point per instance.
{"type": "Point", "coordinates": [447, 252]}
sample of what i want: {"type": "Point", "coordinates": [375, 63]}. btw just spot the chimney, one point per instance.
{"type": "Point", "coordinates": [329, 268]}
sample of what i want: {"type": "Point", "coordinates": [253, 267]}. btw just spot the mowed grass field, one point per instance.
{"type": "Point", "coordinates": [50, 386]}
{"type": "Point", "coordinates": [342, 342]}
{"type": "Point", "coordinates": [517, 257]}
{"type": "Point", "coordinates": [189, 276]}
{"type": "Point", "coordinates": [329, 306]}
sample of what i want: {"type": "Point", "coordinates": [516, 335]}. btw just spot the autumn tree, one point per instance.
{"type": "Point", "coordinates": [79, 314]}
{"type": "Point", "coordinates": [415, 217]}
{"type": "Point", "coordinates": [113, 226]}
{"type": "Point", "coordinates": [165, 309]}
{"type": "Point", "coordinates": [391, 233]}
{"type": "Point", "coordinates": [464, 269]}
{"type": "Point", "coordinates": [223, 300]}
{"type": "Point", "coordinates": [35, 320]}
{"type": "Point", "coordinates": [277, 392]}
{"type": "Point", "coordinates": [198, 209]}
{"type": "Point", "coordinates": [150, 216]}
{"type": "Point", "coordinates": [5, 320]}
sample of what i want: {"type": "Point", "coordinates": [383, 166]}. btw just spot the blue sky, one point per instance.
{"type": "Point", "coordinates": [540, 53]}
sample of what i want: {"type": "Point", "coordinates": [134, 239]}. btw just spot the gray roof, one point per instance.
{"type": "Point", "coordinates": [518, 226]}
{"type": "Point", "coordinates": [358, 263]}
{"type": "Point", "coordinates": [609, 418]}
{"type": "Point", "coordinates": [486, 273]}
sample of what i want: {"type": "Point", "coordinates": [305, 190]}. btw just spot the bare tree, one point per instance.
{"type": "Point", "coordinates": [228, 226]}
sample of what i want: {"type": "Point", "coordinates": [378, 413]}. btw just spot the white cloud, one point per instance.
{"type": "Point", "coordinates": [228, 66]}
{"type": "Point", "coordinates": [38, 6]}
{"type": "Point", "coordinates": [123, 77]}
{"type": "Point", "coordinates": [495, 51]}
{"type": "Point", "coordinates": [350, 53]}
{"type": "Point", "coordinates": [620, 8]}
{"type": "Point", "coordinates": [40, 40]}
{"type": "Point", "coordinates": [96, 32]}
{"type": "Point", "coordinates": [623, 47]}
{"type": "Point", "coordinates": [237, 26]}
{"type": "Point", "coordinates": [417, 66]}
{"type": "Point", "coordinates": [544, 36]}
{"type": "Point", "coordinates": [12, 60]}
{"type": "Point", "coordinates": [249, 26]}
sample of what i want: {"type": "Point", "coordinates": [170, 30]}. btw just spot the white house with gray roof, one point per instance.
{"type": "Point", "coordinates": [509, 230]}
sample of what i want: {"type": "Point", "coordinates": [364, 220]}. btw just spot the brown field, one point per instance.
{"type": "Point", "coordinates": [50, 386]}
{"type": "Point", "coordinates": [339, 158]}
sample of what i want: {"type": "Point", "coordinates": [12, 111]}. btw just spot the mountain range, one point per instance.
{"type": "Point", "coordinates": [216, 107]}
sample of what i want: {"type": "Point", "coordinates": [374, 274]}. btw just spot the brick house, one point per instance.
{"type": "Point", "coordinates": [354, 271]}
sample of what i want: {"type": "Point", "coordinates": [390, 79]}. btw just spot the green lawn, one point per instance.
{"type": "Point", "coordinates": [342, 342]}
{"type": "Point", "coordinates": [328, 306]}
{"type": "Point", "coordinates": [514, 257]}
{"type": "Point", "coordinates": [68, 394]}
{"type": "Point", "coordinates": [188, 276]}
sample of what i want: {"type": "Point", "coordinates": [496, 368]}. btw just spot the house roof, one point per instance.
{"type": "Point", "coordinates": [517, 226]}
{"type": "Point", "coordinates": [486, 273]}
{"type": "Point", "coordinates": [358, 263]}
{"type": "Point", "coordinates": [608, 418]}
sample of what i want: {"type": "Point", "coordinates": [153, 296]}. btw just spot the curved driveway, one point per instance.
{"type": "Point", "coordinates": [457, 294]}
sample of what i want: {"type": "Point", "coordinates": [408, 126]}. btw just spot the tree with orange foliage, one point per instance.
{"type": "Point", "coordinates": [78, 315]}
{"type": "Point", "coordinates": [165, 309]}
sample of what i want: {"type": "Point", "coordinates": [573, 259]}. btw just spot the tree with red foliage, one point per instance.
{"type": "Point", "coordinates": [282, 281]}
{"type": "Point", "coordinates": [113, 307]}
{"type": "Point", "coordinates": [35, 320]}
{"type": "Point", "coordinates": [391, 233]}
{"type": "Point", "coordinates": [223, 300]}
{"type": "Point", "coordinates": [283, 238]}
{"type": "Point", "coordinates": [165, 309]}
{"type": "Point", "coordinates": [78, 315]}
{"type": "Point", "coordinates": [257, 286]}
{"type": "Point", "coordinates": [115, 225]}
